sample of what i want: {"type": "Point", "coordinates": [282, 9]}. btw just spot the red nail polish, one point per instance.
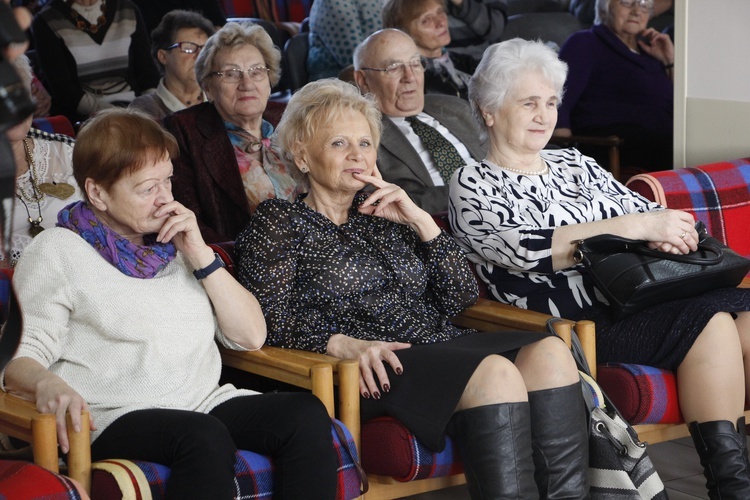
{"type": "Point", "coordinates": [366, 395]}
{"type": "Point", "coordinates": [376, 395]}
{"type": "Point", "coordinates": [399, 371]}
{"type": "Point", "coordinates": [386, 387]}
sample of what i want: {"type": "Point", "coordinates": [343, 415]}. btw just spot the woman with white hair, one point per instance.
{"type": "Point", "coordinates": [519, 214]}
{"type": "Point", "coordinates": [620, 83]}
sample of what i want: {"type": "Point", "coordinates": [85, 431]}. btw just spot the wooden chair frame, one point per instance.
{"type": "Point", "coordinates": [612, 142]}
{"type": "Point", "coordinates": [326, 377]}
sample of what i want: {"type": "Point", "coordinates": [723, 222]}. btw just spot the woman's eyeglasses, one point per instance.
{"type": "Point", "coordinates": [397, 70]}
{"type": "Point", "coordinates": [644, 5]}
{"type": "Point", "coordinates": [186, 47]}
{"type": "Point", "coordinates": [234, 75]}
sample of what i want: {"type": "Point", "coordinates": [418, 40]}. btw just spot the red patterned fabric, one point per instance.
{"type": "Point", "coordinates": [389, 449]}
{"type": "Point", "coordinates": [25, 480]}
{"type": "Point", "coordinates": [717, 194]}
{"type": "Point", "coordinates": [642, 394]}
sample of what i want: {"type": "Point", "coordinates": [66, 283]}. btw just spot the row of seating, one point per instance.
{"type": "Point", "coordinates": [396, 463]}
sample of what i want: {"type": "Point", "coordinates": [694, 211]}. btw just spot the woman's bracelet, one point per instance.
{"type": "Point", "coordinates": [669, 66]}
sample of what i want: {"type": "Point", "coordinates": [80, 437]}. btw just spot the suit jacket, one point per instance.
{"type": "Point", "coordinates": [400, 164]}
{"type": "Point", "coordinates": [206, 175]}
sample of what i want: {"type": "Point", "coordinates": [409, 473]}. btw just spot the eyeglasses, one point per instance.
{"type": "Point", "coordinates": [398, 70]}
{"type": "Point", "coordinates": [644, 5]}
{"type": "Point", "coordinates": [234, 75]}
{"type": "Point", "coordinates": [186, 47]}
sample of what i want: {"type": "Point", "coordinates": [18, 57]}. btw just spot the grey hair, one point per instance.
{"type": "Point", "coordinates": [22, 66]}
{"type": "Point", "coordinates": [318, 103]}
{"type": "Point", "coordinates": [501, 66]}
{"type": "Point", "coordinates": [602, 11]}
{"type": "Point", "coordinates": [235, 35]}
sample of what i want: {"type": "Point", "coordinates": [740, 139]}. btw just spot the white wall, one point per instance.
{"type": "Point", "coordinates": [712, 80]}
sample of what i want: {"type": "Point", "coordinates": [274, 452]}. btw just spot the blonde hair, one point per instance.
{"type": "Point", "coordinates": [319, 102]}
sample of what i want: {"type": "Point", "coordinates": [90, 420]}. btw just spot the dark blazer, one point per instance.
{"type": "Point", "coordinates": [400, 164]}
{"type": "Point", "coordinates": [206, 175]}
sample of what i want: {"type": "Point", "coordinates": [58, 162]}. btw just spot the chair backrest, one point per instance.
{"type": "Point", "coordinates": [295, 61]}
{"type": "Point", "coordinates": [553, 27]}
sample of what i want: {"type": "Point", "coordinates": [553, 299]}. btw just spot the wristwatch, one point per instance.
{"type": "Point", "coordinates": [213, 266]}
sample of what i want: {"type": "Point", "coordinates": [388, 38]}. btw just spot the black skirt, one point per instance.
{"type": "Point", "coordinates": [425, 395]}
{"type": "Point", "coordinates": [662, 335]}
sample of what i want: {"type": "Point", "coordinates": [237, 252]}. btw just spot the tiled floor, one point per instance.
{"type": "Point", "coordinates": [676, 462]}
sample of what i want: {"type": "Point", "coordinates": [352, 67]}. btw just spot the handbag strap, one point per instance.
{"type": "Point", "coordinates": [583, 365]}
{"type": "Point", "coordinates": [611, 243]}
{"type": "Point", "coordinates": [364, 482]}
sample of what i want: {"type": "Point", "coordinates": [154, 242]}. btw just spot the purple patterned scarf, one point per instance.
{"type": "Point", "coordinates": [132, 260]}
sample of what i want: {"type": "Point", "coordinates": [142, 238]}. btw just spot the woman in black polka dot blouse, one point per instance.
{"type": "Point", "coordinates": [372, 278]}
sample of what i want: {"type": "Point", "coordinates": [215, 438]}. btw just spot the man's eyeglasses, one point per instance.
{"type": "Point", "coordinates": [398, 70]}
{"type": "Point", "coordinates": [644, 5]}
{"type": "Point", "coordinates": [234, 75]}
{"type": "Point", "coordinates": [186, 47]}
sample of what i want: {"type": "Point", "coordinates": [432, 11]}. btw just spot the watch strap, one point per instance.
{"type": "Point", "coordinates": [213, 266]}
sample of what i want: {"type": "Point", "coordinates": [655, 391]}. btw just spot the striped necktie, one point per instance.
{"type": "Point", "coordinates": [444, 154]}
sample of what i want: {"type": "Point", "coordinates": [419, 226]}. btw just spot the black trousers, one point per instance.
{"type": "Point", "coordinates": [292, 428]}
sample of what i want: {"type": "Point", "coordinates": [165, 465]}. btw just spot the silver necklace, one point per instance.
{"type": "Point", "coordinates": [543, 170]}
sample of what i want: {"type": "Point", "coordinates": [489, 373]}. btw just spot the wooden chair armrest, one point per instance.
{"type": "Point", "coordinates": [309, 370]}
{"type": "Point", "coordinates": [19, 418]}
{"type": "Point", "coordinates": [490, 316]}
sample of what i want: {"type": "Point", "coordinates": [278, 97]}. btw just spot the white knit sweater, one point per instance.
{"type": "Point", "coordinates": [123, 343]}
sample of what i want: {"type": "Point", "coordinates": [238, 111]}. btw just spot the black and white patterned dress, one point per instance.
{"type": "Point", "coordinates": [504, 222]}
{"type": "Point", "coordinates": [371, 279]}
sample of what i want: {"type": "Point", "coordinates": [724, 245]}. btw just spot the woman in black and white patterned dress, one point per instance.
{"type": "Point", "coordinates": [517, 213]}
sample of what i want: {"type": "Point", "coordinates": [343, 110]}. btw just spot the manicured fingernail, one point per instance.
{"type": "Point", "coordinates": [366, 395]}
{"type": "Point", "coordinates": [376, 395]}
{"type": "Point", "coordinates": [386, 387]}
{"type": "Point", "coordinates": [399, 371]}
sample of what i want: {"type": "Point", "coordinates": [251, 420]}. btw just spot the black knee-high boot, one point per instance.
{"type": "Point", "coordinates": [560, 441]}
{"type": "Point", "coordinates": [495, 445]}
{"type": "Point", "coordinates": [723, 453]}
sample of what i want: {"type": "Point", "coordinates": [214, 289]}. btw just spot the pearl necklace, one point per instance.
{"type": "Point", "coordinates": [543, 170]}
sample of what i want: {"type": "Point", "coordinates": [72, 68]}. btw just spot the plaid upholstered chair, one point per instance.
{"type": "Point", "coordinates": [118, 478]}
{"type": "Point", "coordinates": [718, 194]}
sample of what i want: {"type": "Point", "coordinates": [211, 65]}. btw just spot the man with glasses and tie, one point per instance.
{"type": "Point", "coordinates": [175, 44]}
{"type": "Point", "coordinates": [425, 138]}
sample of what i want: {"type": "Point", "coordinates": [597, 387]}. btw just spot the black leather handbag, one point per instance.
{"type": "Point", "coordinates": [633, 277]}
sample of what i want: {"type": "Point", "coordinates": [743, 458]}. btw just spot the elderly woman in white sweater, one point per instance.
{"type": "Point", "coordinates": [122, 304]}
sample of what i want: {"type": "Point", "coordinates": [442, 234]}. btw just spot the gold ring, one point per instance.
{"type": "Point", "coordinates": [682, 236]}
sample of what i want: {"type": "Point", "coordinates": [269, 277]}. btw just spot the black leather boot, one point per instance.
{"type": "Point", "coordinates": [723, 454]}
{"type": "Point", "coordinates": [560, 441]}
{"type": "Point", "coordinates": [495, 445]}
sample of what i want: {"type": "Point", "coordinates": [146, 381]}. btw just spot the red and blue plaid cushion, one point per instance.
{"type": "Point", "coordinates": [25, 480]}
{"type": "Point", "coordinates": [390, 449]}
{"type": "Point", "coordinates": [642, 394]}
{"type": "Point", "coordinates": [718, 194]}
{"type": "Point", "coordinates": [254, 474]}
